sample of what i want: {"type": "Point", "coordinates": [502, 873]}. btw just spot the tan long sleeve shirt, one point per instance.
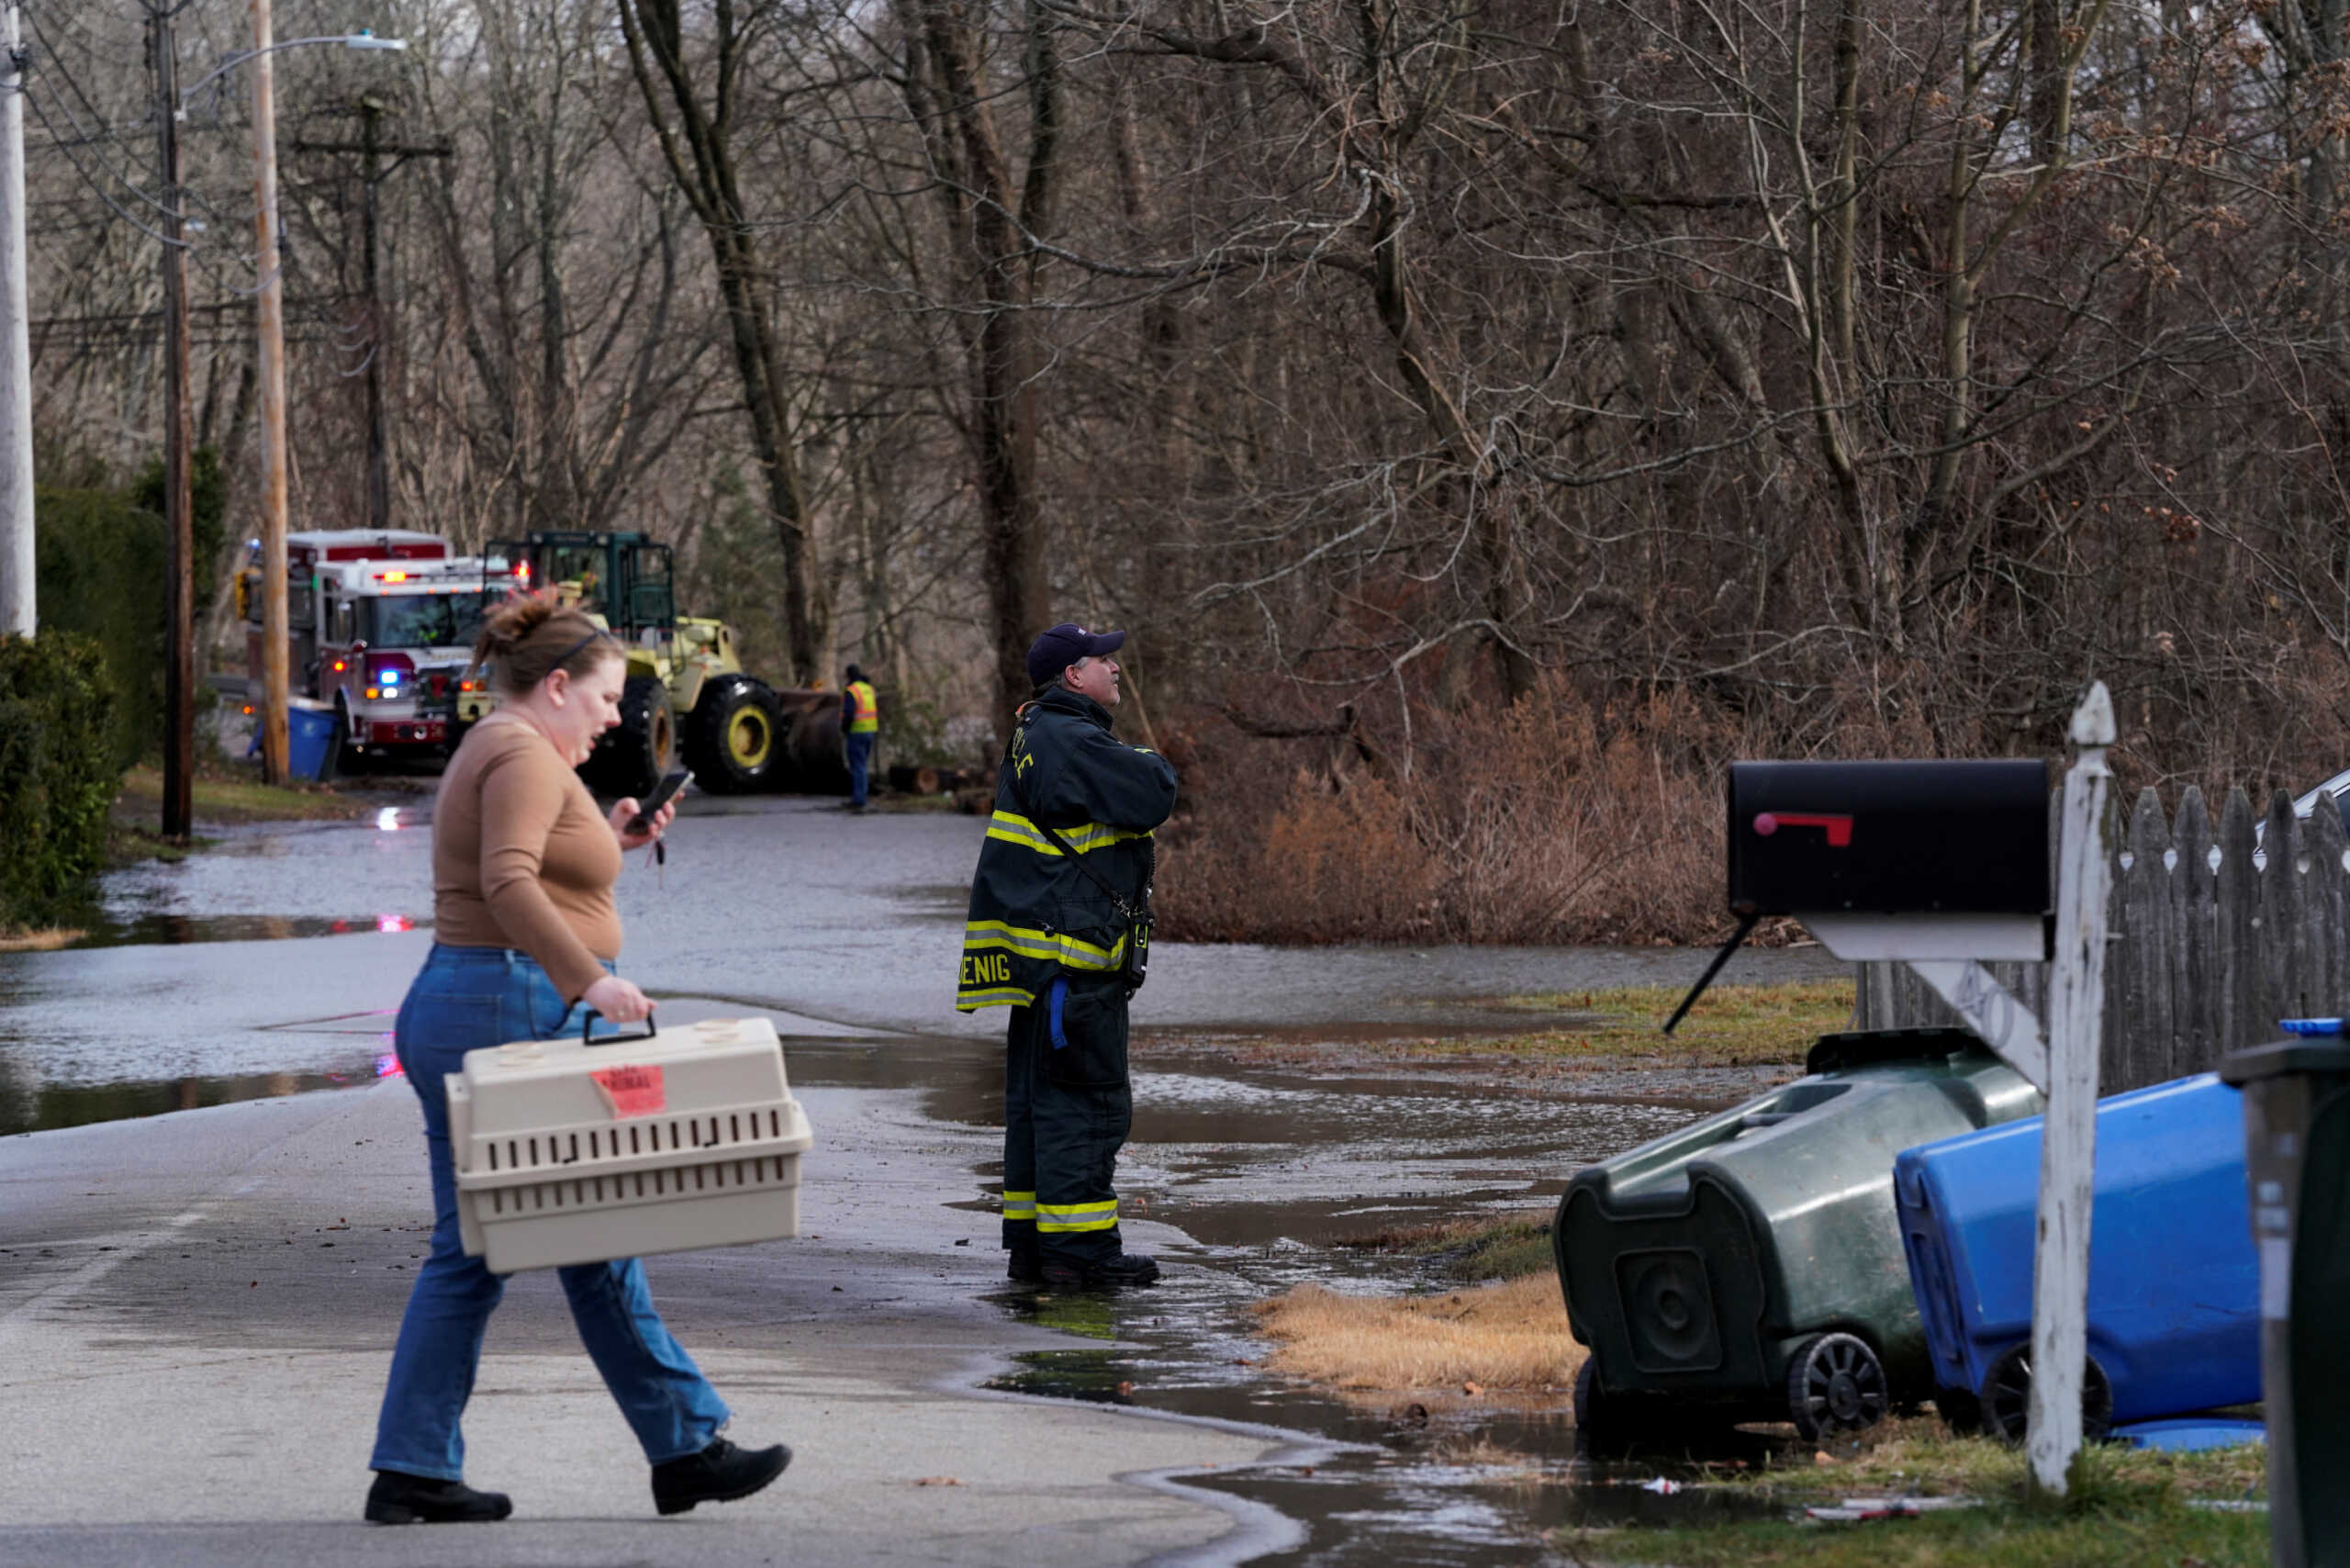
{"type": "Point", "coordinates": [522, 857]}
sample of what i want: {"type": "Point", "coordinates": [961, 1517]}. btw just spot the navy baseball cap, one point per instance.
{"type": "Point", "coordinates": [1065, 643]}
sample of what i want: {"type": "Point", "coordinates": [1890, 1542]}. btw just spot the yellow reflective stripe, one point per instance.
{"type": "Point", "coordinates": [1019, 830]}
{"type": "Point", "coordinates": [1013, 828]}
{"type": "Point", "coordinates": [1020, 1206]}
{"type": "Point", "coordinates": [1061, 1218]}
{"type": "Point", "coordinates": [1053, 946]}
{"type": "Point", "coordinates": [1002, 996]}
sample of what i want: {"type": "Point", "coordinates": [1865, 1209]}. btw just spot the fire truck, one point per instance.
{"type": "Point", "coordinates": [382, 625]}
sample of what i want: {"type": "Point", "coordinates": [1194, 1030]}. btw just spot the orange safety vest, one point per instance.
{"type": "Point", "coordinates": [868, 713]}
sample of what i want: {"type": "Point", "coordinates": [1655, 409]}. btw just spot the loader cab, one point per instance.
{"type": "Point", "coordinates": [624, 577]}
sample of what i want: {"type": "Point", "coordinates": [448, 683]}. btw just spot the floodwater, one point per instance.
{"type": "Point", "coordinates": [270, 965]}
{"type": "Point", "coordinates": [1269, 1172]}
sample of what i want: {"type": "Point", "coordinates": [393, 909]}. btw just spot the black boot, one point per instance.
{"type": "Point", "coordinates": [720, 1473]}
{"type": "Point", "coordinates": [401, 1499]}
{"type": "Point", "coordinates": [1027, 1268]}
{"type": "Point", "coordinates": [1114, 1272]}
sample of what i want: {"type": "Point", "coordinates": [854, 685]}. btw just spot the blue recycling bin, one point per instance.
{"type": "Point", "coordinates": [312, 741]}
{"type": "Point", "coordinates": [2174, 1309]}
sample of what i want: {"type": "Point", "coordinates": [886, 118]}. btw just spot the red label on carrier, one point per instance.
{"type": "Point", "coordinates": [632, 1090]}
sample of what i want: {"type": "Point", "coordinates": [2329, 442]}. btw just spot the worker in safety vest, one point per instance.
{"type": "Point", "coordinates": [860, 721]}
{"type": "Point", "coordinates": [1059, 931]}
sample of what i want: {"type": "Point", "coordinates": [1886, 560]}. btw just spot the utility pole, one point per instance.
{"type": "Point", "coordinates": [379, 442]}
{"type": "Point", "coordinates": [179, 582]}
{"type": "Point", "coordinates": [271, 374]}
{"type": "Point", "coordinates": [373, 149]}
{"type": "Point", "coordinates": [17, 618]}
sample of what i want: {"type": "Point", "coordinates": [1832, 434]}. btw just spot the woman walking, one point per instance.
{"type": "Point", "coordinates": [525, 936]}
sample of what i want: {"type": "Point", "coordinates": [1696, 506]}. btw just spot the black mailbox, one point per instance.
{"type": "Point", "coordinates": [1888, 838]}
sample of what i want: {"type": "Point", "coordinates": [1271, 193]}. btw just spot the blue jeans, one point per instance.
{"type": "Point", "coordinates": [465, 998]}
{"type": "Point", "coordinates": [861, 762]}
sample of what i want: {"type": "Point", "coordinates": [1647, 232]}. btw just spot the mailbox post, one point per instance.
{"type": "Point", "coordinates": [1944, 865]}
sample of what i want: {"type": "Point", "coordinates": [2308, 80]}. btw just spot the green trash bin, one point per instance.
{"type": "Point", "coordinates": [2297, 1163]}
{"type": "Point", "coordinates": [1750, 1267]}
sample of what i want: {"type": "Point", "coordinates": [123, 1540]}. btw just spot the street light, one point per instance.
{"type": "Point", "coordinates": [363, 39]}
{"type": "Point", "coordinates": [179, 745]}
{"type": "Point", "coordinates": [271, 317]}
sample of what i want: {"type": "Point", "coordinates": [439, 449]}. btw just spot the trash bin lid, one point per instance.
{"type": "Point", "coordinates": [2282, 1058]}
{"type": "Point", "coordinates": [1870, 1048]}
{"type": "Point", "coordinates": [2189, 1434]}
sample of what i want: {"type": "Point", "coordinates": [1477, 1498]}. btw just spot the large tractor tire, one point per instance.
{"type": "Point", "coordinates": [631, 758]}
{"type": "Point", "coordinates": [733, 738]}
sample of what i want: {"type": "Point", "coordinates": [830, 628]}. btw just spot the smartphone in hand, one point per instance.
{"type": "Point", "coordinates": [670, 784]}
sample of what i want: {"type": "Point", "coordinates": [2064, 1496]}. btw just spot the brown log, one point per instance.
{"type": "Point", "coordinates": [814, 761]}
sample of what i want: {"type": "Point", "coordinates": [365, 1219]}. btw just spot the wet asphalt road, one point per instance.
{"type": "Point", "coordinates": [787, 904]}
{"type": "Point", "coordinates": [845, 930]}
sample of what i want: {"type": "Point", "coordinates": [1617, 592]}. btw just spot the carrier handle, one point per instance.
{"type": "Point", "coordinates": [587, 1031]}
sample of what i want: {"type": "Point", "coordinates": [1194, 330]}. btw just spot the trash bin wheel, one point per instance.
{"type": "Point", "coordinates": [1835, 1383]}
{"type": "Point", "coordinates": [1959, 1411]}
{"type": "Point", "coordinates": [1592, 1407]}
{"type": "Point", "coordinates": [2006, 1397]}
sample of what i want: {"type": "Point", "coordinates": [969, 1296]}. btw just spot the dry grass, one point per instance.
{"type": "Point", "coordinates": [47, 940]}
{"type": "Point", "coordinates": [1509, 1336]}
{"type": "Point", "coordinates": [225, 791]}
{"type": "Point", "coordinates": [1489, 1247]}
{"type": "Point", "coordinates": [1555, 820]}
{"type": "Point", "coordinates": [1733, 1026]}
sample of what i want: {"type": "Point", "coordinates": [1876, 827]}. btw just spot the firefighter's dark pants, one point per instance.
{"type": "Point", "coordinates": [1068, 1104]}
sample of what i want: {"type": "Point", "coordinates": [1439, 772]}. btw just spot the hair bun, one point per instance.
{"type": "Point", "coordinates": [529, 636]}
{"type": "Point", "coordinates": [511, 623]}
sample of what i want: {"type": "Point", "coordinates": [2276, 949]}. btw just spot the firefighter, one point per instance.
{"type": "Point", "coordinates": [1058, 932]}
{"type": "Point", "coordinates": [860, 721]}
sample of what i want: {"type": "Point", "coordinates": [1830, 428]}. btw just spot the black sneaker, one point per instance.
{"type": "Point", "coordinates": [720, 1473]}
{"type": "Point", "coordinates": [1114, 1272]}
{"type": "Point", "coordinates": [1025, 1269]}
{"type": "Point", "coordinates": [401, 1499]}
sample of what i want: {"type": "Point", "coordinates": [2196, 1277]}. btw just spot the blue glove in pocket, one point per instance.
{"type": "Point", "coordinates": [1085, 1033]}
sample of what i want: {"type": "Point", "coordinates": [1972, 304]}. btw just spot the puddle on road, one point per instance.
{"type": "Point", "coordinates": [136, 930]}
{"type": "Point", "coordinates": [1402, 1484]}
{"type": "Point", "coordinates": [40, 1107]}
{"type": "Point", "coordinates": [947, 902]}
{"type": "Point", "coordinates": [1269, 1170]}
{"type": "Point", "coordinates": [1265, 1169]}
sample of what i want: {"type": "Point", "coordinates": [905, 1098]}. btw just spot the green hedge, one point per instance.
{"type": "Point", "coordinates": [100, 560]}
{"type": "Point", "coordinates": [57, 774]}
